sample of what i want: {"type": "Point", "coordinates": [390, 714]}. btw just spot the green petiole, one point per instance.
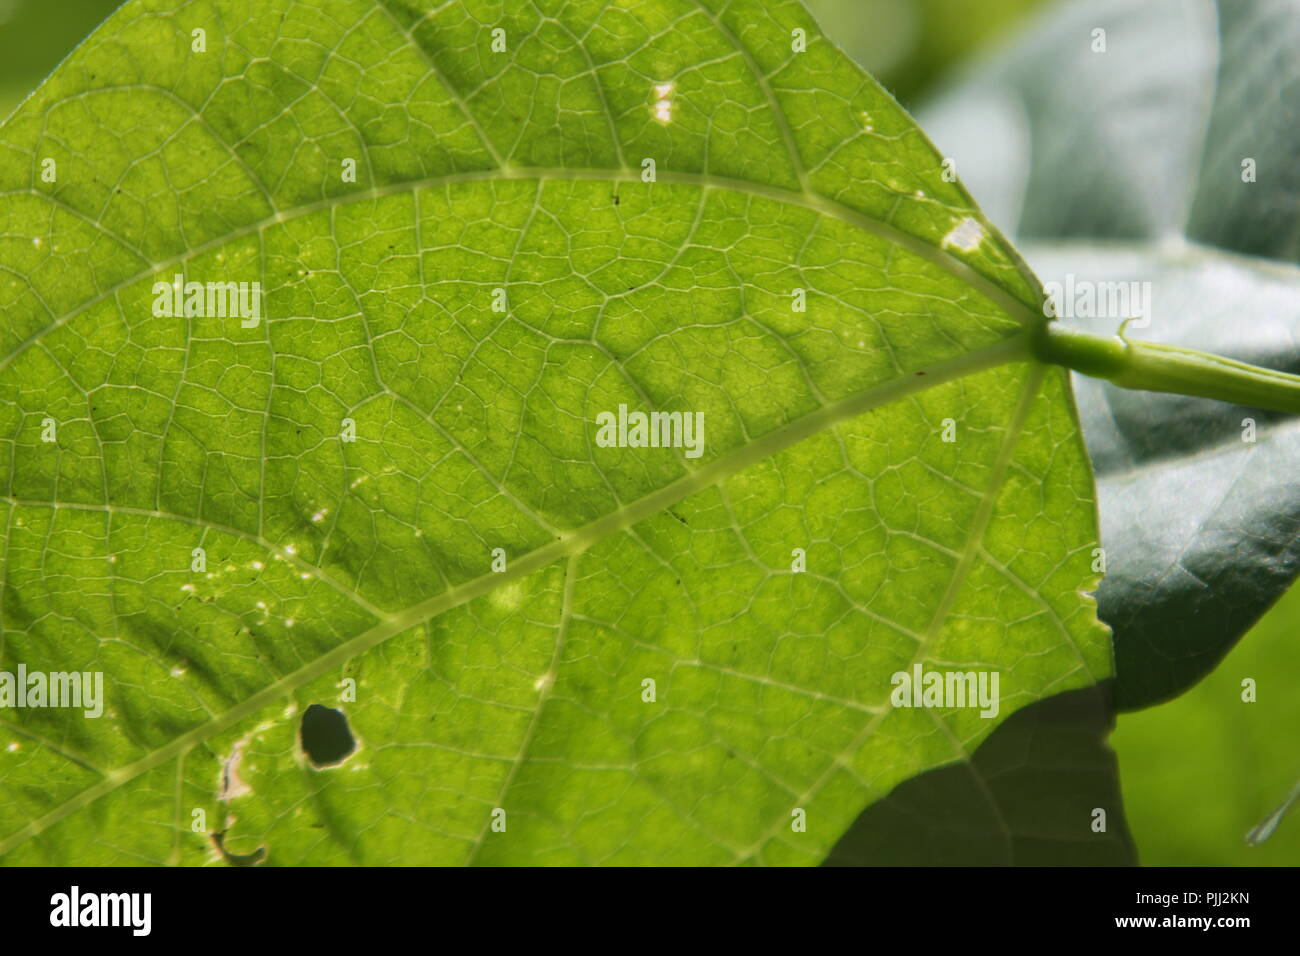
{"type": "Point", "coordinates": [1151, 367]}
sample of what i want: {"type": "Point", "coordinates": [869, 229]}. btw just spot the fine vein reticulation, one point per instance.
{"type": "Point", "coordinates": [669, 205]}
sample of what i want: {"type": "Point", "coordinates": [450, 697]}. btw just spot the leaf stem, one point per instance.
{"type": "Point", "coordinates": [1152, 367]}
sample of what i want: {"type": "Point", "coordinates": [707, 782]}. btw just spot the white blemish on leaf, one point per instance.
{"type": "Point", "coordinates": [966, 235]}
{"type": "Point", "coordinates": [231, 785]}
{"type": "Point", "coordinates": [663, 108]}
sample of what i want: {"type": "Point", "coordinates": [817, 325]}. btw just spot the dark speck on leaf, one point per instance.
{"type": "Point", "coordinates": [920, 373]}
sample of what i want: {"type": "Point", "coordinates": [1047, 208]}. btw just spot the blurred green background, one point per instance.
{"type": "Point", "coordinates": [909, 44]}
{"type": "Point", "coordinates": [1197, 773]}
{"type": "Point", "coordinates": [35, 35]}
{"type": "Point", "coordinates": [1200, 771]}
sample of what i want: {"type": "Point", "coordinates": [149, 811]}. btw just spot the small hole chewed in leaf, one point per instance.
{"type": "Point", "coordinates": [326, 738]}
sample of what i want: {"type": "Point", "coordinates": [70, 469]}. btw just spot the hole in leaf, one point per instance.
{"type": "Point", "coordinates": [325, 735]}
{"type": "Point", "coordinates": [237, 859]}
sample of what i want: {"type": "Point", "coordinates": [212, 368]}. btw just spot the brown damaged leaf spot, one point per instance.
{"type": "Point", "coordinates": [231, 784]}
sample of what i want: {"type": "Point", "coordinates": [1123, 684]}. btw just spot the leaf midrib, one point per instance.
{"type": "Point", "coordinates": [1014, 348]}
{"type": "Point", "coordinates": [1015, 308]}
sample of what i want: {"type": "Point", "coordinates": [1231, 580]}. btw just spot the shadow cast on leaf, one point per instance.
{"type": "Point", "coordinates": [1028, 796]}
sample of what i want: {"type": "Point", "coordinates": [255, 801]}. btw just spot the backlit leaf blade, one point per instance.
{"type": "Point", "coordinates": [372, 559]}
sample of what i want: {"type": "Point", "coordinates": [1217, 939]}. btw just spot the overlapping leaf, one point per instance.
{"type": "Point", "coordinates": [1018, 800]}
{"type": "Point", "coordinates": [1168, 158]}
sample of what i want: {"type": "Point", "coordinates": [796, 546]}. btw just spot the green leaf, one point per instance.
{"type": "Point", "coordinates": [1202, 772]}
{"type": "Point", "coordinates": [368, 565]}
{"type": "Point", "coordinates": [1136, 175]}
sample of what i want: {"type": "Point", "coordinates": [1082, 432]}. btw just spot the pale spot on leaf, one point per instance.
{"type": "Point", "coordinates": [509, 596]}
{"type": "Point", "coordinates": [663, 108]}
{"type": "Point", "coordinates": [966, 235]}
